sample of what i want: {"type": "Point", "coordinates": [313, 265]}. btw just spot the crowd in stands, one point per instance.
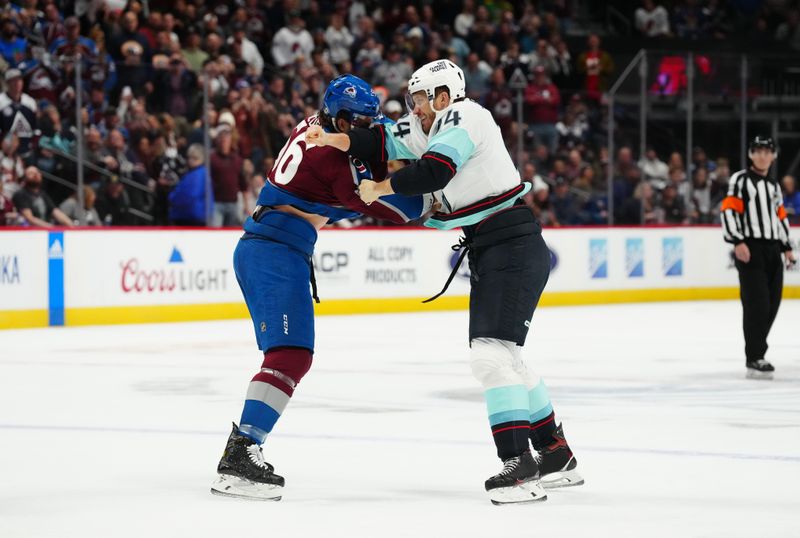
{"type": "Point", "coordinates": [142, 68]}
{"type": "Point", "coordinates": [759, 22]}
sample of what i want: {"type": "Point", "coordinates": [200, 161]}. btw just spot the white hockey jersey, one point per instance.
{"type": "Point", "coordinates": [467, 134]}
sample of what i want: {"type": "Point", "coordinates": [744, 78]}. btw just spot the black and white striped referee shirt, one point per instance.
{"type": "Point", "coordinates": [754, 209]}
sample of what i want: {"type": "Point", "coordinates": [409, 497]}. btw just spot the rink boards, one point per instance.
{"type": "Point", "coordinates": [86, 277]}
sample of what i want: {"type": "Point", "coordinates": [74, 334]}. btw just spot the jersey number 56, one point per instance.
{"type": "Point", "coordinates": [289, 159]}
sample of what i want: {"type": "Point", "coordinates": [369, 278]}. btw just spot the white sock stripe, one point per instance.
{"type": "Point", "coordinates": [269, 394]}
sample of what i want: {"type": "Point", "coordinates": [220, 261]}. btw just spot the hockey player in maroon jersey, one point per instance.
{"type": "Point", "coordinates": [309, 186]}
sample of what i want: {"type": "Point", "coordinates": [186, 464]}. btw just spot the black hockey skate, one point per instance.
{"type": "Point", "coordinates": [759, 369]}
{"type": "Point", "coordinates": [557, 464]}
{"type": "Point", "coordinates": [244, 473]}
{"type": "Point", "coordinates": [518, 482]}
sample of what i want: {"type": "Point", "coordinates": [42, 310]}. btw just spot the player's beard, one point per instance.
{"type": "Point", "coordinates": [427, 123]}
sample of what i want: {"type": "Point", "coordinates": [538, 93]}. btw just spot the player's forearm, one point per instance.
{"type": "Point", "coordinates": [339, 141]}
{"type": "Point", "coordinates": [384, 211]}
{"type": "Point", "coordinates": [429, 174]}
{"type": "Point", "coordinates": [384, 188]}
{"type": "Point", "coordinates": [364, 144]}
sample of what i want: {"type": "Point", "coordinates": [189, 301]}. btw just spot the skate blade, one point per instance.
{"type": "Point", "coordinates": [755, 374]}
{"type": "Point", "coordinates": [525, 493]}
{"type": "Point", "coordinates": [231, 486]}
{"type": "Point", "coordinates": [561, 479]}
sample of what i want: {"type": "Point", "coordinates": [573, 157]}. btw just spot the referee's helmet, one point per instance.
{"type": "Point", "coordinates": [761, 142]}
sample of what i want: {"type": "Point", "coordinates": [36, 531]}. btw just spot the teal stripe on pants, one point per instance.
{"type": "Point", "coordinates": [506, 399]}
{"type": "Point", "coordinates": [539, 402]}
{"type": "Point", "coordinates": [513, 415]}
{"type": "Point", "coordinates": [542, 413]}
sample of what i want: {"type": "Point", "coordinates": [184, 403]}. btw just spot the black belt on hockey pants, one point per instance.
{"type": "Point", "coordinates": [503, 225]}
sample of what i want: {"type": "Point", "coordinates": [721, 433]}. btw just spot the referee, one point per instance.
{"type": "Point", "coordinates": [755, 222]}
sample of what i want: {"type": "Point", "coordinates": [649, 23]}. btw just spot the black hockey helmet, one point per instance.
{"type": "Point", "coordinates": [762, 142]}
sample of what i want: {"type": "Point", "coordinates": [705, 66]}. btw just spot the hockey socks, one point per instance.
{"type": "Point", "coordinates": [542, 417]}
{"type": "Point", "coordinates": [509, 418]}
{"type": "Point", "coordinates": [270, 390]}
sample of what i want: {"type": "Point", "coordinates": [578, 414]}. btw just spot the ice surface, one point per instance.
{"type": "Point", "coordinates": [116, 431]}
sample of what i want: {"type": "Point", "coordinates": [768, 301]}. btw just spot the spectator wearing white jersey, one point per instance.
{"type": "Point", "coordinates": [339, 39]}
{"type": "Point", "coordinates": [18, 111]}
{"type": "Point", "coordinates": [652, 20]}
{"type": "Point", "coordinates": [654, 169]}
{"type": "Point", "coordinates": [250, 53]}
{"type": "Point", "coordinates": [292, 42]}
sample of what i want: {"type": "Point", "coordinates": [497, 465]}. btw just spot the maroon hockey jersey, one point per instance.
{"type": "Point", "coordinates": [324, 181]}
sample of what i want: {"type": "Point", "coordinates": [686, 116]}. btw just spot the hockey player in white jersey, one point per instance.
{"type": "Point", "coordinates": [457, 152]}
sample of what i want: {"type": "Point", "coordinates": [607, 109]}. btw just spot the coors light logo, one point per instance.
{"type": "Point", "coordinates": [174, 277]}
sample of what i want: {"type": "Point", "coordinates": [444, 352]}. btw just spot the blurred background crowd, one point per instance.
{"type": "Point", "coordinates": [135, 77]}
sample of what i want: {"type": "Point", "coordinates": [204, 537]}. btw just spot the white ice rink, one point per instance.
{"type": "Point", "coordinates": [116, 431]}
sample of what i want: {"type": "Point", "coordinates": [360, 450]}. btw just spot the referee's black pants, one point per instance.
{"type": "Point", "coordinates": [760, 286]}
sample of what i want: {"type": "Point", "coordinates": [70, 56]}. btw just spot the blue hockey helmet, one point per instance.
{"type": "Point", "coordinates": [350, 98]}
